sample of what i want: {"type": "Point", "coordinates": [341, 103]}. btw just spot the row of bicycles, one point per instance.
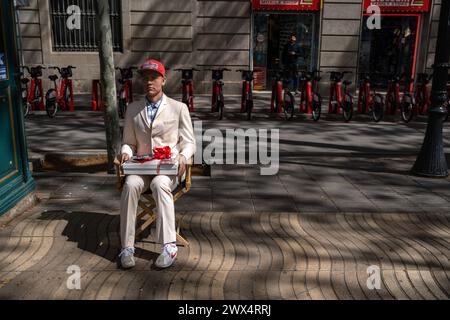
{"type": "Point", "coordinates": [58, 97]}
{"type": "Point", "coordinates": [61, 95]}
{"type": "Point", "coordinates": [217, 96]}
{"type": "Point", "coordinates": [398, 99]}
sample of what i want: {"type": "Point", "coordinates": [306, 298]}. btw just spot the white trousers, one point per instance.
{"type": "Point", "coordinates": [162, 187]}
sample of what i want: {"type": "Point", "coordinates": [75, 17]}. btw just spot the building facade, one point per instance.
{"type": "Point", "coordinates": [236, 34]}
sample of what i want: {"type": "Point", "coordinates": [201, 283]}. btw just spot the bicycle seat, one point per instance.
{"type": "Point", "coordinates": [36, 72]}
{"type": "Point", "coordinates": [24, 80]}
{"type": "Point", "coordinates": [66, 72]}
{"type": "Point", "coordinates": [53, 77]}
{"type": "Point", "coordinates": [127, 73]}
{"type": "Point", "coordinates": [347, 82]}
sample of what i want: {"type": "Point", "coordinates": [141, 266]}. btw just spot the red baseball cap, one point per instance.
{"type": "Point", "coordinates": [154, 65]}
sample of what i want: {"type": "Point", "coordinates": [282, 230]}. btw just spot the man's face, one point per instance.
{"type": "Point", "coordinates": [293, 39]}
{"type": "Point", "coordinates": [154, 83]}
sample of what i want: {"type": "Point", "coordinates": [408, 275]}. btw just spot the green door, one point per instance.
{"type": "Point", "coordinates": [15, 178]}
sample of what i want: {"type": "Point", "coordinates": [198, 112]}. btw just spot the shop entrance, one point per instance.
{"type": "Point", "coordinates": [271, 32]}
{"type": "Point", "coordinates": [391, 49]}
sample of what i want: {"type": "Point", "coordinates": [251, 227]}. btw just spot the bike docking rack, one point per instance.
{"type": "Point", "coordinates": [276, 98]}
{"type": "Point", "coordinates": [125, 92]}
{"type": "Point", "coordinates": [187, 87]}
{"type": "Point", "coordinates": [217, 99]}
{"type": "Point", "coordinates": [96, 96]}
{"type": "Point", "coordinates": [246, 93]}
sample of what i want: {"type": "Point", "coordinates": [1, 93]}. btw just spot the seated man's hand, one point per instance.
{"type": "Point", "coordinates": [181, 165]}
{"type": "Point", "coordinates": [125, 157]}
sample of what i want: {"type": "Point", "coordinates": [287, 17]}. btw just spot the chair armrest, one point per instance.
{"type": "Point", "coordinates": [119, 172]}
{"type": "Point", "coordinates": [187, 178]}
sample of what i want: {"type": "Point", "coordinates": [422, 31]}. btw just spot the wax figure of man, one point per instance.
{"type": "Point", "coordinates": [154, 122]}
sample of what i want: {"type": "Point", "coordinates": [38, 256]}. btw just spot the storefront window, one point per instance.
{"type": "Point", "coordinates": [391, 49]}
{"type": "Point", "coordinates": [271, 33]}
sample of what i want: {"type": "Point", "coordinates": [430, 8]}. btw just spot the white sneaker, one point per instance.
{"type": "Point", "coordinates": [168, 255]}
{"type": "Point", "coordinates": [127, 258]}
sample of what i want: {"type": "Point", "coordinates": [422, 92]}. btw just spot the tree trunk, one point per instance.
{"type": "Point", "coordinates": [108, 82]}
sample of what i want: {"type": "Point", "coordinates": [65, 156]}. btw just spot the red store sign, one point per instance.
{"type": "Point", "coordinates": [286, 4]}
{"type": "Point", "coordinates": [399, 5]}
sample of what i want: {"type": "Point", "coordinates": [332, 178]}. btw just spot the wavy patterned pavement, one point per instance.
{"type": "Point", "coordinates": [242, 247]}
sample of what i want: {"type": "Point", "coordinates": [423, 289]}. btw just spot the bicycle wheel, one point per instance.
{"type": "Point", "coordinates": [191, 104]}
{"type": "Point", "coordinates": [407, 107]}
{"type": "Point", "coordinates": [347, 106]}
{"type": "Point", "coordinates": [289, 103]}
{"type": "Point", "coordinates": [377, 108]}
{"type": "Point", "coordinates": [37, 98]}
{"type": "Point", "coordinates": [317, 107]}
{"type": "Point", "coordinates": [420, 103]}
{"type": "Point", "coordinates": [25, 104]}
{"type": "Point", "coordinates": [66, 98]}
{"type": "Point", "coordinates": [363, 103]}
{"type": "Point", "coordinates": [51, 105]}
{"type": "Point", "coordinates": [123, 104]}
{"type": "Point", "coordinates": [220, 105]}
{"type": "Point", "coordinates": [249, 108]}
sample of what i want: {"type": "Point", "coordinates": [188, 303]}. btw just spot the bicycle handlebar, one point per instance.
{"type": "Point", "coordinates": [129, 68]}
{"type": "Point", "coordinates": [218, 69]}
{"type": "Point", "coordinates": [193, 69]}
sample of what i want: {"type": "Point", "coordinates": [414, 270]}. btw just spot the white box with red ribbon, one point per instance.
{"type": "Point", "coordinates": [150, 166]}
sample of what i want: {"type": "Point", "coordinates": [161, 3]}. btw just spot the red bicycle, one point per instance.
{"type": "Point", "coordinates": [217, 100]}
{"type": "Point", "coordinates": [187, 87]}
{"type": "Point", "coordinates": [394, 102]}
{"type": "Point", "coordinates": [64, 98]}
{"type": "Point", "coordinates": [310, 98]}
{"type": "Point", "coordinates": [282, 99]}
{"type": "Point", "coordinates": [247, 93]}
{"type": "Point", "coordinates": [125, 93]}
{"type": "Point", "coordinates": [368, 101]}
{"type": "Point", "coordinates": [339, 99]}
{"type": "Point", "coordinates": [422, 93]}
{"type": "Point", "coordinates": [33, 97]}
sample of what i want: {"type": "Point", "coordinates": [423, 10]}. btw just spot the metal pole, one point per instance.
{"type": "Point", "coordinates": [431, 160]}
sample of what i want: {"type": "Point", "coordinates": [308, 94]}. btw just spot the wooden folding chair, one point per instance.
{"type": "Point", "coordinates": [146, 203]}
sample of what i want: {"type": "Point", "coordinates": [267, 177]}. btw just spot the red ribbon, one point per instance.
{"type": "Point", "coordinates": [162, 153]}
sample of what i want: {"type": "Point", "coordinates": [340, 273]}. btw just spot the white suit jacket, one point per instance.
{"type": "Point", "coordinates": [171, 127]}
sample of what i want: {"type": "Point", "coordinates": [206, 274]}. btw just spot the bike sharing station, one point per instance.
{"type": "Point", "coordinates": [16, 182]}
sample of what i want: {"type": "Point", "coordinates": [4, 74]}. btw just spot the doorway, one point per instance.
{"type": "Point", "coordinates": [391, 49]}
{"type": "Point", "coordinates": [271, 32]}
